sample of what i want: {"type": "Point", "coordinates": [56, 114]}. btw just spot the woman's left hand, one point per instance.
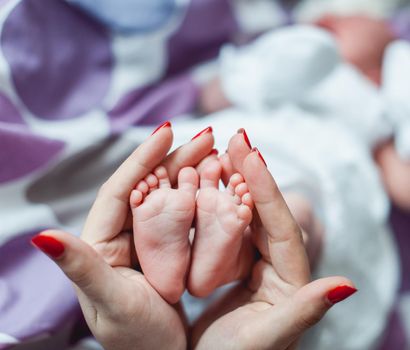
{"type": "Point", "coordinates": [273, 308]}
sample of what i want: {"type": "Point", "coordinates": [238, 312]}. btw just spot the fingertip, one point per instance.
{"type": "Point", "coordinates": [48, 244]}
{"type": "Point", "coordinates": [330, 290]}
{"type": "Point", "coordinates": [340, 293]}
{"type": "Point", "coordinates": [165, 125]}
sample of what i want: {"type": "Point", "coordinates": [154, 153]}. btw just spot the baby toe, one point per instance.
{"type": "Point", "coordinates": [247, 200]}
{"type": "Point", "coordinates": [162, 176]}
{"type": "Point", "coordinates": [211, 174]}
{"type": "Point", "coordinates": [152, 181]}
{"type": "Point", "coordinates": [245, 214]}
{"type": "Point", "coordinates": [136, 198]}
{"type": "Point", "coordinates": [234, 181]}
{"type": "Point", "coordinates": [143, 187]}
{"type": "Point", "coordinates": [241, 189]}
{"type": "Point", "coordinates": [188, 180]}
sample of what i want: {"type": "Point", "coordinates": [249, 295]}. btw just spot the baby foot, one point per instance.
{"type": "Point", "coordinates": [220, 251]}
{"type": "Point", "coordinates": [162, 218]}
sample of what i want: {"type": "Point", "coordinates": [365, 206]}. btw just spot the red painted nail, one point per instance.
{"type": "Point", "coordinates": [48, 245]}
{"type": "Point", "coordinates": [214, 152]}
{"type": "Point", "coordinates": [245, 136]}
{"type": "Point", "coordinates": [260, 155]}
{"type": "Point", "coordinates": [206, 130]}
{"type": "Point", "coordinates": [167, 124]}
{"type": "Point", "coordinates": [340, 293]}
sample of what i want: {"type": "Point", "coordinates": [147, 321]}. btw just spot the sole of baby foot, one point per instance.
{"type": "Point", "coordinates": [221, 252]}
{"type": "Point", "coordinates": [162, 218]}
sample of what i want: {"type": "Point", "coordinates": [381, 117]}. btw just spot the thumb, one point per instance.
{"type": "Point", "coordinates": [79, 261]}
{"type": "Point", "coordinates": [310, 304]}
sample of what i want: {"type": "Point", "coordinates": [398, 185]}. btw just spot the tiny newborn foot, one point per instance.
{"type": "Point", "coordinates": [162, 218]}
{"type": "Point", "coordinates": [220, 251]}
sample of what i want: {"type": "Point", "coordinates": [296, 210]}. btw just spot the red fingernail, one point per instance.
{"type": "Point", "coordinates": [208, 129]}
{"type": "Point", "coordinates": [245, 136]}
{"type": "Point", "coordinates": [167, 124]}
{"type": "Point", "coordinates": [48, 245]}
{"type": "Point", "coordinates": [214, 152]}
{"type": "Point", "coordinates": [260, 155]}
{"type": "Point", "coordinates": [340, 293]}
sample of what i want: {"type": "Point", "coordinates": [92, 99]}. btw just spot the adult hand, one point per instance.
{"type": "Point", "coordinates": [121, 308]}
{"type": "Point", "coordinates": [277, 304]}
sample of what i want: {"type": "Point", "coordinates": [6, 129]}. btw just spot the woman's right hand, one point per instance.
{"type": "Point", "coordinates": [121, 308]}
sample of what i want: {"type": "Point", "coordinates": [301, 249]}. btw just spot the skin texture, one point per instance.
{"type": "Point", "coordinates": [222, 217]}
{"type": "Point", "coordinates": [395, 174]}
{"type": "Point", "coordinates": [162, 219]}
{"type": "Point", "coordinates": [269, 310]}
{"type": "Point", "coordinates": [273, 307]}
{"type": "Point", "coordinates": [121, 308]}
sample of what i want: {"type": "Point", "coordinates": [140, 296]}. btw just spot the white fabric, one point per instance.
{"type": "Point", "coordinates": [301, 65]}
{"type": "Point", "coordinates": [280, 65]}
{"type": "Point", "coordinates": [258, 15]}
{"type": "Point", "coordinates": [310, 10]}
{"type": "Point", "coordinates": [7, 339]}
{"type": "Point", "coordinates": [348, 96]}
{"type": "Point", "coordinates": [396, 90]}
{"type": "Point", "coordinates": [336, 172]}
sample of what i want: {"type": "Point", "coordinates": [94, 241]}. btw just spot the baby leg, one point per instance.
{"type": "Point", "coordinates": [395, 172]}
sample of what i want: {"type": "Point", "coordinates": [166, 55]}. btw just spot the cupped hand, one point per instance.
{"type": "Point", "coordinates": [121, 308]}
{"type": "Point", "coordinates": [277, 303]}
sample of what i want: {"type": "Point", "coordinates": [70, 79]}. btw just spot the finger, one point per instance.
{"type": "Point", "coordinates": [305, 308]}
{"type": "Point", "coordinates": [238, 148]}
{"type": "Point", "coordinates": [285, 244]}
{"type": "Point", "coordinates": [109, 211]}
{"type": "Point", "coordinates": [227, 168]}
{"type": "Point", "coordinates": [82, 264]}
{"type": "Point", "coordinates": [188, 155]}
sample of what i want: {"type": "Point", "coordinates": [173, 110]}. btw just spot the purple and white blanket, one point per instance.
{"type": "Point", "coordinates": [78, 92]}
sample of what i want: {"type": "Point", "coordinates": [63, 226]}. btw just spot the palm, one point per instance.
{"type": "Point", "coordinates": [147, 312]}
{"type": "Point", "coordinates": [247, 301]}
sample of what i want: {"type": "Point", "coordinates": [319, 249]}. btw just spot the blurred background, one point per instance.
{"type": "Point", "coordinates": [83, 82]}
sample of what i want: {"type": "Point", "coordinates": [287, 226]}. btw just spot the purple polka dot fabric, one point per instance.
{"type": "Point", "coordinates": [47, 301]}
{"type": "Point", "coordinates": [8, 112]}
{"type": "Point", "coordinates": [64, 93]}
{"type": "Point", "coordinates": [61, 67]}
{"type": "Point", "coordinates": [158, 102]}
{"type": "Point", "coordinates": [23, 152]}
